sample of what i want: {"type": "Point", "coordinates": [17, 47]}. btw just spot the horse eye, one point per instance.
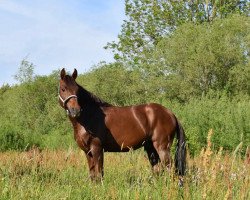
{"type": "Point", "coordinates": [63, 89]}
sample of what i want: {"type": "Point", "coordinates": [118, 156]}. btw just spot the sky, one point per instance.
{"type": "Point", "coordinates": [53, 34]}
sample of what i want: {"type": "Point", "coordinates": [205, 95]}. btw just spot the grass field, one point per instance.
{"type": "Point", "coordinates": [63, 174]}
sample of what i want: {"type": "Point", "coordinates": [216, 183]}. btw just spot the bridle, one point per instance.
{"type": "Point", "coordinates": [67, 99]}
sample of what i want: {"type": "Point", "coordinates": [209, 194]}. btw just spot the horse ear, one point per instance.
{"type": "Point", "coordinates": [74, 75]}
{"type": "Point", "coordinates": [63, 73]}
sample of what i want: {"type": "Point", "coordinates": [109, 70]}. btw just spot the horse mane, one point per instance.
{"type": "Point", "coordinates": [90, 98]}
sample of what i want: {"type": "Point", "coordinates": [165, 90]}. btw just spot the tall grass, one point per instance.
{"type": "Point", "coordinates": [63, 174]}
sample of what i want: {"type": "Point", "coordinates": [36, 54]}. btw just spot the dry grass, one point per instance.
{"type": "Point", "coordinates": [64, 175]}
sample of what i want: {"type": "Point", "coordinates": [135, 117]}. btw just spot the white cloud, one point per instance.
{"type": "Point", "coordinates": [56, 33]}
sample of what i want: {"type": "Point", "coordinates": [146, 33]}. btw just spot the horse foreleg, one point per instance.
{"type": "Point", "coordinates": [95, 161]}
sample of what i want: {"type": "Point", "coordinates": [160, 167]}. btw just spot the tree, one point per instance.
{"type": "Point", "coordinates": [25, 72]}
{"type": "Point", "coordinates": [4, 88]}
{"type": "Point", "coordinates": [148, 21]}
{"type": "Point", "coordinates": [197, 58]}
{"type": "Point", "coordinates": [239, 79]}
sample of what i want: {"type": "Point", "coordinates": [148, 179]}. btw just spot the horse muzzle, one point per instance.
{"type": "Point", "coordinates": [74, 112]}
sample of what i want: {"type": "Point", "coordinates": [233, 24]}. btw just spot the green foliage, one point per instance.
{"type": "Point", "coordinates": [198, 58]}
{"type": "Point", "coordinates": [149, 21]}
{"type": "Point", "coordinates": [115, 84]}
{"type": "Point", "coordinates": [15, 138]}
{"type": "Point", "coordinates": [229, 119]}
{"type": "Point", "coordinates": [29, 111]}
{"type": "Point", "coordinates": [185, 48]}
{"type": "Point", "coordinates": [10, 138]}
{"type": "Point", "coordinates": [239, 79]}
{"type": "Point", "coordinates": [118, 85]}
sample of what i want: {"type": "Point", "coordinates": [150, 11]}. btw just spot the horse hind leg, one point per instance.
{"type": "Point", "coordinates": [153, 156]}
{"type": "Point", "coordinates": [163, 151]}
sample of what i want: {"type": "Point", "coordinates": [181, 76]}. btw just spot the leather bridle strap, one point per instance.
{"type": "Point", "coordinates": [67, 99]}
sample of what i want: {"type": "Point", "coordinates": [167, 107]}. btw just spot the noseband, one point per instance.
{"type": "Point", "coordinates": [67, 99]}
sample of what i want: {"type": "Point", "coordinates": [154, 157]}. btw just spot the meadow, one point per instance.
{"type": "Point", "coordinates": [197, 66]}
{"type": "Point", "coordinates": [63, 174]}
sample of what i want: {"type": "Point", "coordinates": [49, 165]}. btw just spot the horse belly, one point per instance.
{"type": "Point", "coordinates": [127, 130]}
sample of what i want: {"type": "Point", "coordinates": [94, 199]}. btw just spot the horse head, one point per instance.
{"type": "Point", "coordinates": [68, 93]}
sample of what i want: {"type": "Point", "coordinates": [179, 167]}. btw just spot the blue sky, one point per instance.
{"type": "Point", "coordinates": [56, 33]}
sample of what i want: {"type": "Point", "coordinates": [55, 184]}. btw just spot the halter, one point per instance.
{"type": "Point", "coordinates": [67, 99]}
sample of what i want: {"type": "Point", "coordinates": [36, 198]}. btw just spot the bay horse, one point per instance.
{"type": "Point", "coordinates": [101, 127]}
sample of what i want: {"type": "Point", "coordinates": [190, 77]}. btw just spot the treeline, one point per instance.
{"type": "Point", "coordinates": [190, 56]}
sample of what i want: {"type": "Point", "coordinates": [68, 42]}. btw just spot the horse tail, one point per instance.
{"type": "Point", "coordinates": [180, 153]}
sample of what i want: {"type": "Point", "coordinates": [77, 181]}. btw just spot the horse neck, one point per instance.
{"type": "Point", "coordinates": [90, 99]}
{"type": "Point", "coordinates": [75, 123]}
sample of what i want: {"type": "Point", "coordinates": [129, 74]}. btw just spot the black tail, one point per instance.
{"type": "Point", "coordinates": [180, 154]}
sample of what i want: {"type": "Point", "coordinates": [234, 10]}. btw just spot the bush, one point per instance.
{"type": "Point", "coordinates": [12, 138]}
{"type": "Point", "coordinates": [229, 119]}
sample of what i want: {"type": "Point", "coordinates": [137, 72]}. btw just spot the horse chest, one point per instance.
{"type": "Point", "coordinates": [82, 138]}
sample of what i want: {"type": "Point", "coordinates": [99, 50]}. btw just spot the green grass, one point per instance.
{"type": "Point", "coordinates": [64, 175]}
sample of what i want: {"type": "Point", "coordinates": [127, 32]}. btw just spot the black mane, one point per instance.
{"type": "Point", "coordinates": [90, 98]}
